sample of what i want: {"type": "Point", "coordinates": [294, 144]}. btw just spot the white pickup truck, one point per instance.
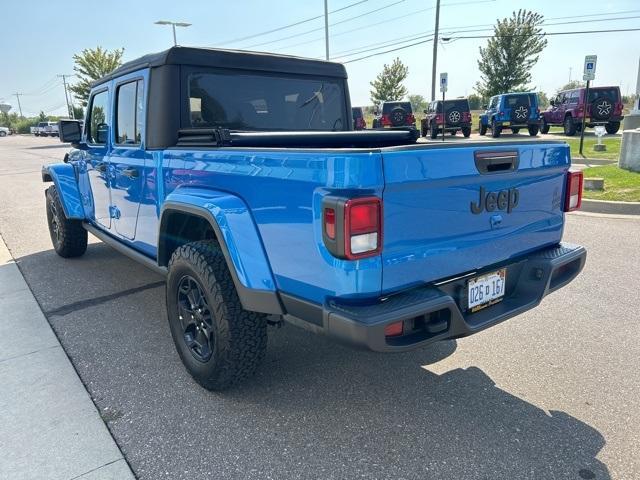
{"type": "Point", "coordinates": [45, 129]}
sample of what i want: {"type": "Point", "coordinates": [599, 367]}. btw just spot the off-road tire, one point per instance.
{"type": "Point", "coordinates": [482, 129]}
{"type": "Point", "coordinates": [495, 129]}
{"type": "Point", "coordinates": [612, 127]}
{"type": "Point", "coordinates": [69, 237]}
{"type": "Point", "coordinates": [423, 129]}
{"type": "Point", "coordinates": [3, 134]}
{"type": "Point", "coordinates": [238, 336]}
{"type": "Point", "coordinates": [544, 126]}
{"type": "Point", "coordinates": [515, 130]}
{"type": "Point", "coordinates": [433, 130]}
{"type": "Point", "coordinates": [533, 130]}
{"type": "Point", "coordinates": [569, 126]}
{"type": "Point", "coordinates": [466, 131]}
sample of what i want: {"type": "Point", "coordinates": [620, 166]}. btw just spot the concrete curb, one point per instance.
{"type": "Point", "coordinates": [610, 207]}
{"type": "Point", "coordinates": [49, 426]}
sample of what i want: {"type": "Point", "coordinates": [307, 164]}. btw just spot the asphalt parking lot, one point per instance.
{"type": "Point", "coordinates": [552, 394]}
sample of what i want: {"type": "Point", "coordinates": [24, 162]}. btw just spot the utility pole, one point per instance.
{"type": "Point", "coordinates": [435, 52]}
{"type": "Point", "coordinates": [570, 68]}
{"type": "Point", "coordinates": [19, 106]}
{"type": "Point", "coordinates": [66, 95]}
{"type": "Point", "coordinates": [326, 28]}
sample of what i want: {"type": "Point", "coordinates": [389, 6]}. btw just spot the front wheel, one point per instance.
{"type": "Point", "coordinates": [495, 129]}
{"type": "Point", "coordinates": [482, 129]}
{"type": "Point", "coordinates": [69, 237]}
{"type": "Point", "coordinates": [612, 127]}
{"type": "Point", "coordinates": [434, 131]}
{"type": "Point", "coordinates": [466, 131]}
{"type": "Point", "coordinates": [3, 133]}
{"type": "Point", "coordinates": [533, 130]}
{"type": "Point", "coordinates": [219, 342]}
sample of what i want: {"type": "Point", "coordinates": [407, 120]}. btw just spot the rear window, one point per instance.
{"type": "Point", "coordinates": [461, 105]}
{"type": "Point", "coordinates": [387, 107]}
{"type": "Point", "coordinates": [513, 100]}
{"type": "Point", "coordinates": [265, 102]}
{"type": "Point", "coordinates": [610, 93]}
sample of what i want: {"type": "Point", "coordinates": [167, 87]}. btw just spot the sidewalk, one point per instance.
{"type": "Point", "coordinates": [49, 427]}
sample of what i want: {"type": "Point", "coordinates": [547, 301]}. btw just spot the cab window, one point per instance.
{"type": "Point", "coordinates": [98, 124]}
{"type": "Point", "coordinates": [129, 113]}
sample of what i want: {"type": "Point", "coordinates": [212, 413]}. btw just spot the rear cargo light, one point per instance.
{"type": "Point", "coordinates": [352, 227]}
{"type": "Point", "coordinates": [393, 329]}
{"type": "Point", "coordinates": [386, 120]}
{"type": "Point", "coordinates": [573, 196]}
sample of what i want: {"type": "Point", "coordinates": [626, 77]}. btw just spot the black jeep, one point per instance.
{"type": "Point", "coordinates": [457, 117]}
{"type": "Point", "coordinates": [394, 114]}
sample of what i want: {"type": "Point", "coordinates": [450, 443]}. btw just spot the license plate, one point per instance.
{"type": "Point", "coordinates": [486, 290]}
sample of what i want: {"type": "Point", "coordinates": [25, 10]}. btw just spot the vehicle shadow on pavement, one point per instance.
{"type": "Point", "coordinates": [316, 409]}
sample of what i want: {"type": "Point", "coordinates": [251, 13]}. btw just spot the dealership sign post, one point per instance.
{"type": "Point", "coordinates": [444, 82]}
{"type": "Point", "coordinates": [590, 62]}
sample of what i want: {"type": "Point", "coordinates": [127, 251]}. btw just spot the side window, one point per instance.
{"type": "Point", "coordinates": [129, 113]}
{"type": "Point", "coordinates": [98, 124]}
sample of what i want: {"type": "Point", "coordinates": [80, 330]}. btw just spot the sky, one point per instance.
{"type": "Point", "coordinates": [39, 38]}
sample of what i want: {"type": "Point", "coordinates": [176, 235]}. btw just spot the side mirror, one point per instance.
{"type": "Point", "coordinates": [485, 106]}
{"type": "Point", "coordinates": [70, 131]}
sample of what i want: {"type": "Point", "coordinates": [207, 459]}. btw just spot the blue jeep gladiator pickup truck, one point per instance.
{"type": "Point", "coordinates": [238, 176]}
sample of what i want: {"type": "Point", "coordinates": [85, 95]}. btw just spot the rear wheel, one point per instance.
{"type": "Point", "coordinates": [423, 128]}
{"type": "Point", "coordinates": [466, 131]}
{"type": "Point", "coordinates": [218, 341]}
{"type": "Point", "coordinates": [3, 133]}
{"type": "Point", "coordinates": [544, 126]}
{"type": "Point", "coordinates": [69, 237]}
{"type": "Point", "coordinates": [612, 127]}
{"type": "Point", "coordinates": [569, 126]}
{"type": "Point", "coordinates": [533, 130]}
{"type": "Point", "coordinates": [515, 131]}
{"type": "Point", "coordinates": [495, 129]}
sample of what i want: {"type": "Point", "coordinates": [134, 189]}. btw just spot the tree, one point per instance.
{"type": "Point", "coordinates": [543, 100]}
{"type": "Point", "coordinates": [90, 65]}
{"type": "Point", "coordinates": [78, 112]}
{"type": "Point", "coordinates": [418, 102]}
{"type": "Point", "coordinates": [475, 102]}
{"type": "Point", "coordinates": [506, 61]}
{"type": "Point", "coordinates": [42, 117]}
{"type": "Point", "coordinates": [388, 84]}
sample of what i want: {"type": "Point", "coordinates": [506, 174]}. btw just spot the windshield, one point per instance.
{"type": "Point", "coordinates": [611, 93]}
{"type": "Point", "coordinates": [265, 102]}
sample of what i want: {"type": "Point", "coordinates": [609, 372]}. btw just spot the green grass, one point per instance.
{"type": "Point", "coordinates": [619, 184]}
{"type": "Point", "coordinates": [612, 143]}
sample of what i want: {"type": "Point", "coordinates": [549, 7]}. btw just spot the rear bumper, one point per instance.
{"type": "Point", "coordinates": [438, 312]}
{"type": "Point", "coordinates": [528, 123]}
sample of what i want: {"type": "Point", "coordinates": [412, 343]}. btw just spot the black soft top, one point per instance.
{"type": "Point", "coordinates": [235, 59]}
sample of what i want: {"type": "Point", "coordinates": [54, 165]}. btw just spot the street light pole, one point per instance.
{"type": "Point", "coordinates": [66, 96]}
{"type": "Point", "coordinates": [326, 28]}
{"type": "Point", "coordinates": [435, 52]}
{"type": "Point", "coordinates": [173, 26]}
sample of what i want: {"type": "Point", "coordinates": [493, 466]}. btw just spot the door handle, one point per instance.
{"type": "Point", "coordinates": [131, 172]}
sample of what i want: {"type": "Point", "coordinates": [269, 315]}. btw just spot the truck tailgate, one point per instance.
{"type": "Point", "coordinates": [438, 225]}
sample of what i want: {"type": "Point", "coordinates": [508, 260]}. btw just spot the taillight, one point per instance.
{"type": "Point", "coordinates": [411, 118]}
{"type": "Point", "coordinates": [618, 109]}
{"type": "Point", "coordinates": [439, 118]}
{"type": "Point", "coordinates": [466, 116]}
{"type": "Point", "coordinates": [352, 228]}
{"type": "Point", "coordinates": [573, 195]}
{"type": "Point", "coordinates": [386, 120]}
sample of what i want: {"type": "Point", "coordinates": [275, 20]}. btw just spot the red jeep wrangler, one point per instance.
{"type": "Point", "coordinates": [603, 107]}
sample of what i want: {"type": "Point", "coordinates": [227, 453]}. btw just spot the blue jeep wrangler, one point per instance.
{"type": "Point", "coordinates": [513, 111]}
{"type": "Point", "coordinates": [239, 177]}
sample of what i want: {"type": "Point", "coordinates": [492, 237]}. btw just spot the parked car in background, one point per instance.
{"type": "Point", "coordinates": [4, 131]}
{"type": "Point", "coordinates": [394, 114]}
{"type": "Point", "coordinates": [457, 117]}
{"type": "Point", "coordinates": [603, 107]}
{"type": "Point", "coordinates": [45, 129]}
{"type": "Point", "coordinates": [366, 237]}
{"type": "Point", "coordinates": [359, 122]}
{"type": "Point", "coordinates": [511, 111]}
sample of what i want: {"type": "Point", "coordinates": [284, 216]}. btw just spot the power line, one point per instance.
{"type": "Point", "coordinates": [290, 25]}
{"type": "Point", "coordinates": [389, 51]}
{"type": "Point", "coordinates": [322, 28]}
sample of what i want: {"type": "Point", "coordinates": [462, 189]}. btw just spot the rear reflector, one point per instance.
{"type": "Point", "coordinates": [573, 196]}
{"type": "Point", "coordinates": [393, 329]}
{"type": "Point", "coordinates": [330, 223]}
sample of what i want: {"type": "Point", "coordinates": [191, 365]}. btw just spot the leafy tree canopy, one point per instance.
{"type": "Point", "coordinates": [388, 84]}
{"type": "Point", "coordinates": [90, 65]}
